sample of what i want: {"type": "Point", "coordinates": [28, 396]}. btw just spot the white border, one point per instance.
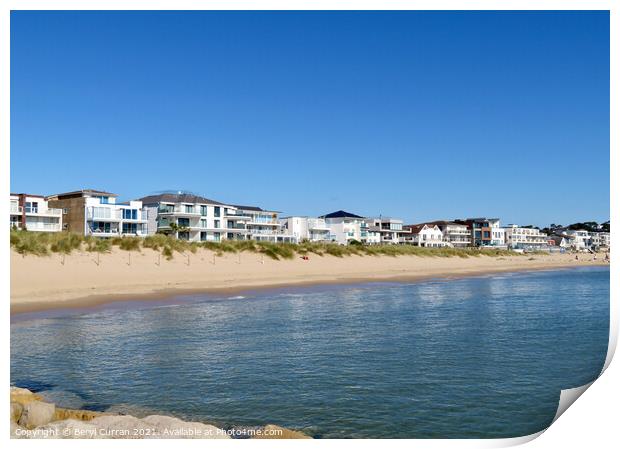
{"type": "Point", "coordinates": [590, 422]}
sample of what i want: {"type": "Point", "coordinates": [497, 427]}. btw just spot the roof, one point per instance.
{"type": "Point", "coordinates": [482, 219]}
{"type": "Point", "coordinates": [27, 194]}
{"type": "Point", "coordinates": [176, 198]}
{"type": "Point", "coordinates": [254, 208]}
{"type": "Point", "coordinates": [340, 214]}
{"type": "Point", "coordinates": [83, 192]}
{"type": "Point", "coordinates": [416, 228]}
{"type": "Point", "coordinates": [445, 223]}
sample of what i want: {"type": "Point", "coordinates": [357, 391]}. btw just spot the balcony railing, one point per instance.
{"type": "Point", "coordinates": [15, 209]}
{"type": "Point", "coordinates": [101, 213]}
{"type": "Point", "coordinates": [49, 227]}
{"type": "Point", "coordinates": [42, 211]}
{"type": "Point", "coordinates": [179, 210]}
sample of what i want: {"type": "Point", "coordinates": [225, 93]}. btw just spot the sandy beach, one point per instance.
{"type": "Point", "coordinates": [84, 279]}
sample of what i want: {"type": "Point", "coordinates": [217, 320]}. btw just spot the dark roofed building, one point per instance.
{"type": "Point", "coordinates": [341, 214]}
{"type": "Point", "coordinates": [177, 198]}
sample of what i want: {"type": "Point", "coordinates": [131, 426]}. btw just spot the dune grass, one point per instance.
{"type": "Point", "coordinates": [41, 244]}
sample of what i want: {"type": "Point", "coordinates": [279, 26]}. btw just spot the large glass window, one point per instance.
{"type": "Point", "coordinates": [183, 222]}
{"type": "Point", "coordinates": [216, 211]}
{"type": "Point", "coordinates": [203, 211]}
{"type": "Point", "coordinates": [130, 228]}
{"type": "Point", "coordinates": [130, 214]}
{"type": "Point", "coordinates": [104, 199]}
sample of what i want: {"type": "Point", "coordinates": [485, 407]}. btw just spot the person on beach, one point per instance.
{"type": "Point", "coordinates": [576, 256]}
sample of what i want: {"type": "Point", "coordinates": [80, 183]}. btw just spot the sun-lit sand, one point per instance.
{"type": "Point", "coordinates": [83, 279]}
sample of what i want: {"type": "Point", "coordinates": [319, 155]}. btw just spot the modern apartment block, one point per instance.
{"type": "Point", "coordinates": [263, 225]}
{"type": "Point", "coordinates": [456, 235]}
{"type": "Point", "coordinates": [388, 230]}
{"type": "Point", "coordinates": [96, 213]}
{"type": "Point", "coordinates": [580, 239]}
{"type": "Point", "coordinates": [485, 232]}
{"type": "Point", "coordinates": [194, 218]}
{"type": "Point", "coordinates": [525, 238]}
{"type": "Point", "coordinates": [345, 226]}
{"type": "Point", "coordinates": [33, 213]}
{"type": "Point", "coordinates": [307, 228]}
{"type": "Point", "coordinates": [424, 234]}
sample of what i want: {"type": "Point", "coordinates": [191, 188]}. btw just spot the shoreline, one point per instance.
{"type": "Point", "coordinates": [231, 276]}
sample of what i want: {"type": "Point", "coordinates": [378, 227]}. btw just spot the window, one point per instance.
{"type": "Point", "coordinates": [65, 211]}
{"type": "Point", "coordinates": [203, 222]}
{"type": "Point", "coordinates": [216, 211]}
{"type": "Point", "coordinates": [217, 223]}
{"type": "Point", "coordinates": [130, 228]}
{"type": "Point", "coordinates": [216, 236]}
{"type": "Point", "coordinates": [183, 222]}
{"type": "Point", "coordinates": [130, 214]}
{"type": "Point", "coordinates": [189, 209]}
{"type": "Point", "coordinates": [104, 199]}
{"type": "Point", "coordinates": [486, 234]}
{"type": "Point", "coordinates": [203, 211]}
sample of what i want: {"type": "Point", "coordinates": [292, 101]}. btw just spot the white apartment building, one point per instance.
{"type": "Point", "coordinates": [605, 238]}
{"type": "Point", "coordinates": [423, 234]}
{"type": "Point", "coordinates": [32, 213]}
{"type": "Point", "coordinates": [387, 230]}
{"type": "Point", "coordinates": [264, 226]}
{"type": "Point", "coordinates": [194, 218]}
{"type": "Point", "coordinates": [455, 235]}
{"type": "Point", "coordinates": [96, 213]}
{"type": "Point", "coordinates": [345, 226]}
{"type": "Point", "coordinates": [307, 228]}
{"type": "Point", "coordinates": [525, 238]}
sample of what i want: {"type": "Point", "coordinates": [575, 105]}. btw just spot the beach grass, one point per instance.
{"type": "Point", "coordinates": [41, 244]}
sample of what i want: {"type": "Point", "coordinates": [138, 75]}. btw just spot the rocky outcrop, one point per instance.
{"type": "Point", "coordinates": [33, 418]}
{"type": "Point", "coordinates": [35, 414]}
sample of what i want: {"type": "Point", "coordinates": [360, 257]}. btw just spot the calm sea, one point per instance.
{"type": "Point", "coordinates": [476, 357]}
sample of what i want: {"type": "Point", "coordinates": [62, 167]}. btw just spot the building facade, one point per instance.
{"type": "Point", "coordinates": [96, 213]}
{"type": "Point", "coordinates": [485, 232]}
{"type": "Point", "coordinates": [423, 234]}
{"type": "Point", "coordinates": [525, 238]}
{"type": "Point", "coordinates": [264, 225]}
{"type": "Point", "coordinates": [345, 227]}
{"type": "Point", "coordinates": [580, 239]}
{"type": "Point", "coordinates": [194, 218]}
{"type": "Point", "coordinates": [33, 213]}
{"type": "Point", "coordinates": [456, 235]}
{"type": "Point", "coordinates": [385, 230]}
{"type": "Point", "coordinates": [307, 229]}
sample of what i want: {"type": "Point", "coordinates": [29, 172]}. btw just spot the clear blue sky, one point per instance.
{"type": "Point", "coordinates": [409, 114]}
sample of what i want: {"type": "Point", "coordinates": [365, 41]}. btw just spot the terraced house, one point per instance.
{"type": "Point", "coordinates": [33, 213]}
{"type": "Point", "coordinates": [96, 213]}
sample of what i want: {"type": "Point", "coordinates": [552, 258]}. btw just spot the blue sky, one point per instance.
{"type": "Point", "coordinates": [420, 115]}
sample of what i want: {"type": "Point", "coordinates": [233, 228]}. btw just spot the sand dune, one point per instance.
{"type": "Point", "coordinates": [82, 279]}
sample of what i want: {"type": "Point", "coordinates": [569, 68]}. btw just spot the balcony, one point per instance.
{"type": "Point", "coordinates": [15, 209]}
{"type": "Point", "coordinates": [42, 211]}
{"type": "Point", "coordinates": [103, 214]}
{"type": "Point", "coordinates": [180, 211]}
{"type": "Point", "coordinates": [235, 215]}
{"type": "Point", "coordinates": [44, 227]}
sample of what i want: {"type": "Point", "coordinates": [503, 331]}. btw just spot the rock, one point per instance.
{"type": "Point", "coordinates": [121, 426]}
{"type": "Point", "coordinates": [81, 415]}
{"type": "Point", "coordinates": [170, 427]}
{"type": "Point", "coordinates": [23, 395]}
{"type": "Point", "coordinates": [68, 428]}
{"type": "Point", "coordinates": [36, 413]}
{"type": "Point", "coordinates": [16, 411]}
{"type": "Point", "coordinates": [273, 432]}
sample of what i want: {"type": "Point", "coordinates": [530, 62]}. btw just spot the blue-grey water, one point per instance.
{"type": "Point", "coordinates": [476, 357]}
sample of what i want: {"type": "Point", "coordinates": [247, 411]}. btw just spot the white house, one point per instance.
{"type": "Point", "coordinates": [485, 232]}
{"type": "Point", "coordinates": [264, 225]}
{"type": "Point", "coordinates": [32, 213]}
{"type": "Point", "coordinates": [385, 230]}
{"type": "Point", "coordinates": [580, 239]}
{"type": "Point", "coordinates": [456, 235]}
{"type": "Point", "coordinates": [427, 235]}
{"type": "Point", "coordinates": [345, 226]}
{"type": "Point", "coordinates": [307, 228]}
{"type": "Point", "coordinates": [525, 238]}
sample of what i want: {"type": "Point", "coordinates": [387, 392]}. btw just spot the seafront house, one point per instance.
{"type": "Point", "coordinates": [485, 232]}
{"type": "Point", "coordinates": [307, 229]}
{"type": "Point", "coordinates": [33, 213]}
{"type": "Point", "coordinates": [456, 235]}
{"type": "Point", "coordinates": [96, 213]}
{"type": "Point", "coordinates": [599, 240]}
{"type": "Point", "coordinates": [580, 239]}
{"type": "Point", "coordinates": [526, 238]}
{"type": "Point", "coordinates": [191, 217]}
{"type": "Point", "coordinates": [605, 238]}
{"type": "Point", "coordinates": [387, 230]}
{"type": "Point", "coordinates": [424, 234]}
{"type": "Point", "coordinates": [264, 226]}
{"type": "Point", "coordinates": [345, 227]}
